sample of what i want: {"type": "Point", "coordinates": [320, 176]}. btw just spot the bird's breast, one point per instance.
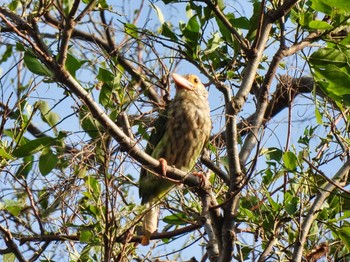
{"type": "Point", "coordinates": [189, 128]}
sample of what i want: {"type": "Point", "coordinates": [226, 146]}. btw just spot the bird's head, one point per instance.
{"type": "Point", "coordinates": [189, 83]}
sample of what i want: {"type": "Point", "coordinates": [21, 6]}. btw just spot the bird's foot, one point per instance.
{"type": "Point", "coordinates": [145, 240]}
{"type": "Point", "coordinates": [204, 180]}
{"type": "Point", "coordinates": [163, 164]}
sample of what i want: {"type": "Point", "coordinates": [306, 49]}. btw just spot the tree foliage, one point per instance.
{"type": "Point", "coordinates": [82, 83]}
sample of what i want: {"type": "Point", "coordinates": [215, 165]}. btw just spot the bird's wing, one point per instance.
{"type": "Point", "coordinates": [148, 182]}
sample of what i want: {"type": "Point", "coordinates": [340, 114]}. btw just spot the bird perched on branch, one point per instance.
{"type": "Point", "coordinates": [178, 138]}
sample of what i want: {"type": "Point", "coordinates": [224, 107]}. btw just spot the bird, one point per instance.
{"type": "Point", "coordinates": [178, 138]}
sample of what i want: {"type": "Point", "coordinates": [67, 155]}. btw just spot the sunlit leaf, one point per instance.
{"type": "Point", "coordinates": [320, 25]}
{"type": "Point", "coordinates": [73, 64]}
{"type": "Point", "coordinates": [32, 146]}
{"type": "Point", "coordinates": [104, 75]}
{"type": "Point", "coordinates": [7, 54]}
{"type": "Point", "coordinates": [10, 257]}
{"type": "Point", "coordinates": [159, 13]}
{"type": "Point", "coordinates": [319, 5]}
{"type": "Point", "coordinates": [131, 30]}
{"type": "Point", "coordinates": [344, 234]}
{"type": "Point", "coordinates": [318, 116]}
{"type": "Point", "coordinates": [86, 235]}
{"type": "Point", "coordinates": [191, 30]}
{"type": "Point", "coordinates": [325, 56]}
{"type": "Point", "coordinates": [342, 5]}
{"type": "Point", "coordinates": [176, 219]}
{"type": "Point", "coordinates": [5, 154]}
{"type": "Point", "coordinates": [47, 161]}
{"type": "Point", "coordinates": [272, 153]}
{"type": "Point", "coordinates": [35, 66]}
{"type": "Point", "coordinates": [213, 43]}
{"type": "Point", "coordinates": [47, 115]}
{"type": "Point", "coordinates": [14, 207]}
{"type": "Point", "coordinates": [290, 160]}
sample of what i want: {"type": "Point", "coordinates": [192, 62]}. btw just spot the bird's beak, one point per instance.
{"type": "Point", "coordinates": [181, 82]}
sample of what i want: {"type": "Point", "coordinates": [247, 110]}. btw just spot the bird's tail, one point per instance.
{"type": "Point", "coordinates": [150, 223]}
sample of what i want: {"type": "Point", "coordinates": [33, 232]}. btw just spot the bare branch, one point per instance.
{"type": "Point", "coordinates": [11, 244]}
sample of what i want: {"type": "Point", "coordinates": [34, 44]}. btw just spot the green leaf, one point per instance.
{"type": "Point", "coordinates": [20, 47]}
{"type": "Point", "coordinates": [14, 207]}
{"type": "Point", "coordinates": [105, 97]}
{"type": "Point", "coordinates": [25, 167]}
{"type": "Point", "coordinates": [168, 32]}
{"type": "Point", "coordinates": [320, 25]}
{"type": "Point", "coordinates": [301, 17]}
{"type": "Point", "coordinates": [213, 43]}
{"type": "Point", "coordinates": [342, 5]}
{"type": "Point", "coordinates": [319, 5]}
{"type": "Point", "coordinates": [318, 116]}
{"type": "Point", "coordinates": [292, 206]}
{"type": "Point", "coordinates": [272, 153]}
{"type": "Point", "coordinates": [4, 153]}
{"type": "Point", "coordinates": [224, 162]}
{"type": "Point", "coordinates": [339, 80]}
{"type": "Point", "coordinates": [14, 5]}
{"type": "Point", "coordinates": [334, 81]}
{"type": "Point", "coordinates": [9, 257]}
{"type": "Point", "coordinates": [7, 54]}
{"type": "Point", "coordinates": [131, 30]}
{"type": "Point", "coordinates": [344, 235]}
{"type": "Point", "coordinates": [73, 64]}
{"type": "Point", "coordinates": [191, 30]}
{"type": "Point", "coordinates": [275, 206]}
{"type": "Point", "coordinates": [290, 160]}
{"type": "Point", "coordinates": [102, 4]}
{"type": "Point", "coordinates": [241, 22]}
{"type": "Point", "coordinates": [325, 56]}
{"type": "Point", "coordinates": [84, 255]}
{"type": "Point", "coordinates": [93, 186]}
{"type": "Point", "coordinates": [47, 161]}
{"type": "Point", "coordinates": [105, 75]}
{"type": "Point", "coordinates": [89, 124]}
{"type": "Point", "coordinates": [86, 236]}
{"type": "Point", "coordinates": [221, 4]}
{"type": "Point", "coordinates": [32, 146]}
{"type": "Point", "coordinates": [94, 210]}
{"type": "Point", "coordinates": [224, 31]}
{"type": "Point", "coordinates": [159, 13]}
{"type": "Point", "coordinates": [35, 66]}
{"type": "Point", "coordinates": [176, 219]}
{"type": "Point", "coordinates": [47, 115]}
{"type": "Point", "coordinates": [245, 214]}
{"type": "Point", "coordinates": [346, 41]}
{"type": "Point", "coordinates": [254, 21]}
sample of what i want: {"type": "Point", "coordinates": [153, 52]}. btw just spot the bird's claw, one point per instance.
{"type": "Point", "coordinates": [203, 179]}
{"type": "Point", "coordinates": [163, 164]}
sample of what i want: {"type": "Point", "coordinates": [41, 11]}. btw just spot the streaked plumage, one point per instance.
{"type": "Point", "coordinates": [179, 136]}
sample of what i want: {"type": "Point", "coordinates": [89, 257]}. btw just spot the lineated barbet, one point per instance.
{"type": "Point", "coordinates": [179, 135]}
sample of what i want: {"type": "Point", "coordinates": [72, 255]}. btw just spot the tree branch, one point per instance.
{"type": "Point", "coordinates": [11, 244]}
{"type": "Point", "coordinates": [146, 87]}
{"type": "Point", "coordinates": [323, 193]}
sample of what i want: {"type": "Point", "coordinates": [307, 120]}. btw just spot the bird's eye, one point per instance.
{"type": "Point", "coordinates": [195, 80]}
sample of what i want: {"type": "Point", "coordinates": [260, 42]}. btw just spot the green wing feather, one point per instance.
{"type": "Point", "coordinates": [150, 185]}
